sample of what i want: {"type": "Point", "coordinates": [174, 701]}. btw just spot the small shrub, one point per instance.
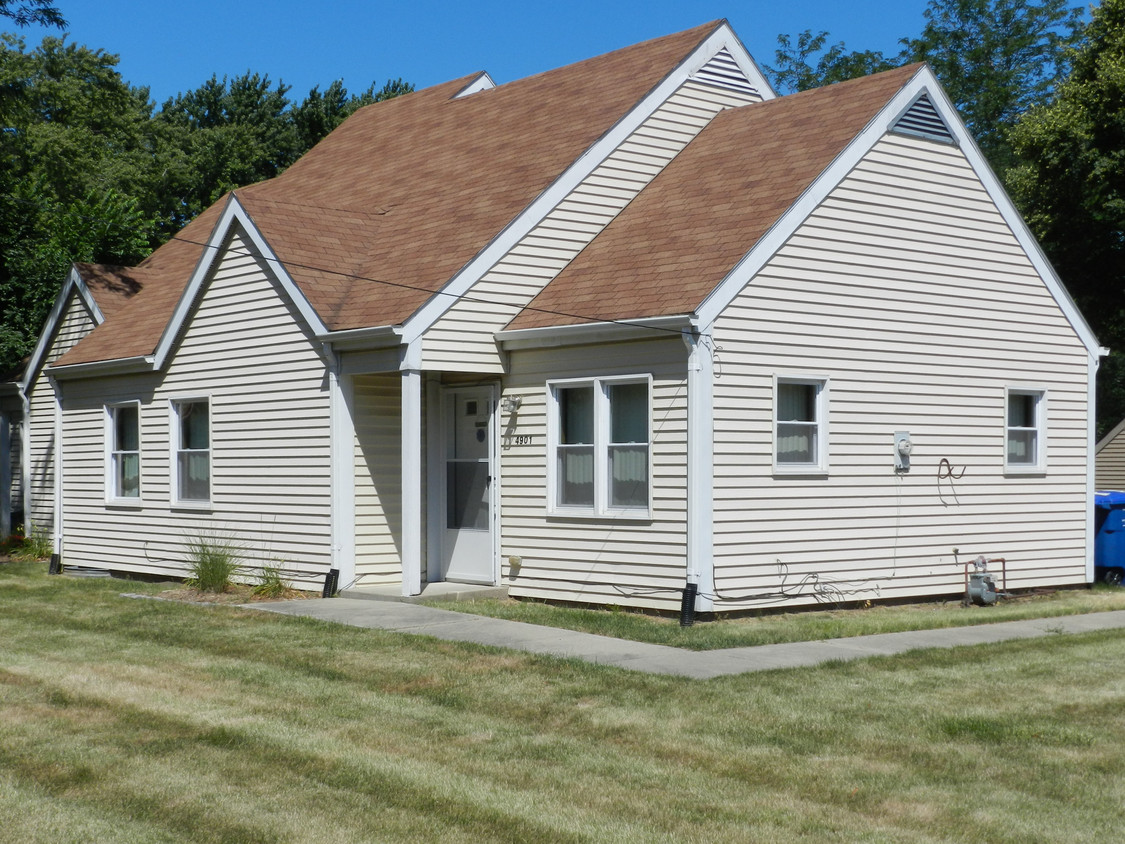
{"type": "Point", "coordinates": [270, 583]}
{"type": "Point", "coordinates": [212, 560]}
{"type": "Point", "coordinates": [38, 545]}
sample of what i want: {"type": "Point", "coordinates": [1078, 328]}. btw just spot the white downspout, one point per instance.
{"type": "Point", "coordinates": [5, 476]}
{"type": "Point", "coordinates": [57, 542]}
{"type": "Point", "coordinates": [700, 468]}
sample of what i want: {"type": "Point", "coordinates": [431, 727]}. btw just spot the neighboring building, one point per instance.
{"type": "Point", "coordinates": [596, 334]}
{"type": "Point", "coordinates": [1110, 459]}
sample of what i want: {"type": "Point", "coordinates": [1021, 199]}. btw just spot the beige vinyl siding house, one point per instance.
{"type": "Point", "coordinates": [631, 332]}
{"type": "Point", "coordinates": [1110, 459]}
{"type": "Point", "coordinates": [874, 295]}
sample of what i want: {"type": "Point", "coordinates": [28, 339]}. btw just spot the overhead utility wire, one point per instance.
{"type": "Point", "coordinates": [458, 296]}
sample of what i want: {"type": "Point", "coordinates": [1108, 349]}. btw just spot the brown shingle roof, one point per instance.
{"type": "Point", "coordinates": [409, 190]}
{"type": "Point", "coordinates": [689, 228]}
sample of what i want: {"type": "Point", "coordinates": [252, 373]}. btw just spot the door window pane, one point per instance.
{"type": "Point", "coordinates": [466, 495]}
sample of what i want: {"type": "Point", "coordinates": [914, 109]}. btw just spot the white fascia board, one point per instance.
{"type": "Point", "coordinates": [1009, 212]}
{"type": "Point", "coordinates": [233, 214]}
{"type": "Point", "coordinates": [360, 339]}
{"type": "Point", "coordinates": [923, 82]}
{"type": "Point", "coordinates": [747, 65]}
{"type": "Point", "coordinates": [114, 366]}
{"type": "Point", "coordinates": [73, 283]}
{"type": "Point", "coordinates": [594, 332]}
{"type": "Point", "coordinates": [441, 301]}
{"type": "Point", "coordinates": [1108, 438]}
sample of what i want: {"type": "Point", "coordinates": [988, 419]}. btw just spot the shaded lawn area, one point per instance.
{"type": "Point", "coordinates": [134, 721]}
{"type": "Point", "coordinates": [806, 625]}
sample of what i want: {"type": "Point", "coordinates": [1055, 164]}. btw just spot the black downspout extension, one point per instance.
{"type": "Point", "coordinates": [331, 583]}
{"type": "Point", "coordinates": [55, 565]}
{"type": "Point", "coordinates": [687, 605]}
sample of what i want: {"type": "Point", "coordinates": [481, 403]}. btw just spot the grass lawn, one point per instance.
{"type": "Point", "coordinates": [126, 720]}
{"type": "Point", "coordinates": [800, 626]}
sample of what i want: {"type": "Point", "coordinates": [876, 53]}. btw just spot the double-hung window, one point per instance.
{"type": "Point", "coordinates": [800, 425]}
{"type": "Point", "coordinates": [123, 438]}
{"type": "Point", "coordinates": [1025, 439]}
{"type": "Point", "coordinates": [191, 459]}
{"type": "Point", "coordinates": [600, 435]}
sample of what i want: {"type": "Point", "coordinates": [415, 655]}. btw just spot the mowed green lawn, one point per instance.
{"type": "Point", "coordinates": [129, 720]}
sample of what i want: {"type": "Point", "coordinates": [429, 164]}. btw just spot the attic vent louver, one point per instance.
{"type": "Point", "coordinates": [722, 71]}
{"type": "Point", "coordinates": [923, 121]}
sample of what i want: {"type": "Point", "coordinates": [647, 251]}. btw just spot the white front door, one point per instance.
{"type": "Point", "coordinates": [467, 485]}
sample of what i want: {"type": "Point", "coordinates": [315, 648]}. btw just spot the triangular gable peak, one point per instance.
{"type": "Point", "coordinates": [923, 86]}
{"type": "Point", "coordinates": [73, 286]}
{"type": "Point", "coordinates": [922, 120]}
{"type": "Point", "coordinates": [483, 82]}
{"type": "Point", "coordinates": [234, 217]}
{"type": "Point", "coordinates": [716, 60]}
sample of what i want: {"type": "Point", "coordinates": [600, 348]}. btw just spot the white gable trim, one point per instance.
{"type": "Point", "coordinates": [440, 302]}
{"type": "Point", "coordinates": [923, 82]}
{"type": "Point", "coordinates": [1108, 438]}
{"type": "Point", "coordinates": [73, 284]}
{"type": "Point", "coordinates": [483, 82]}
{"type": "Point", "coordinates": [233, 214]}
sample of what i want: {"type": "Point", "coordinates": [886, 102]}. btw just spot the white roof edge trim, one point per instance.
{"type": "Point", "coordinates": [114, 366]}
{"type": "Point", "coordinates": [923, 81]}
{"type": "Point", "coordinates": [595, 332]}
{"type": "Point", "coordinates": [464, 279]}
{"type": "Point", "coordinates": [73, 283]}
{"type": "Point", "coordinates": [351, 339]}
{"type": "Point", "coordinates": [1108, 438]}
{"type": "Point", "coordinates": [749, 66]}
{"type": "Point", "coordinates": [483, 82]}
{"type": "Point", "coordinates": [233, 213]}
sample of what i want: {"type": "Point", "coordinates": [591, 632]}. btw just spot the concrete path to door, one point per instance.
{"type": "Point", "coordinates": [385, 613]}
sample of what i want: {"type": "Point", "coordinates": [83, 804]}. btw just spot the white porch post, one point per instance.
{"type": "Point", "coordinates": [342, 456]}
{"type": "Point", "coordinates": [411, 482]}
{"type": "Point", "coordinates": [700, 470]}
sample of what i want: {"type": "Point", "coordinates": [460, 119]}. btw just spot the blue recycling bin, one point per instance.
{"type": "Point", "coordinates": [1109, 536]}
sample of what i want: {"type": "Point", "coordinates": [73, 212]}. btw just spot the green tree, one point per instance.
{"type": "Point", "coordinates": [796, 70]}
{"type": "Point", "coordinates": [996, 59]}
{"type": "Point", "coordinates": [74, 157]}
{"type": "Point", "coordinates": [320, 113]}
{"type": "Point", "coordinates": [1069, 181]}
{"type": "Point", "coordinates": [28, 12]}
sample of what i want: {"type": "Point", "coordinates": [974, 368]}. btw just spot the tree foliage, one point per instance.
{"type": "Point", "coordinates": [90, 170]}
{"type": "Point", "coordinates": [796, 70]}
{"type": "Point", "coordinates": [996, 59]}
{"type": "Point", "coordinates": [1070, 184]}
{"type": "Point", "coordinates": [32, 12]}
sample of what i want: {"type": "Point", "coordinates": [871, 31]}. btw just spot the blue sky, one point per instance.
{"type": "Point", "coordinates": [176, 47]}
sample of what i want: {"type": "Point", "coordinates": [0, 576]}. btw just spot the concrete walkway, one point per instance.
{"type": "Point", "coordinates": [660, 659]}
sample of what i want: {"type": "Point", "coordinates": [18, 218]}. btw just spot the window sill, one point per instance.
{"type": "Point", "coordinates": [124, 504]}
{"type": "Point", "coordinates": [193, 506]}
{"type": "Point", "coordinates": [808, 472]}
{"type": "Point", "coordinates": [638, 516]}
{"type": "Point", "coordinates": [1025, 471]}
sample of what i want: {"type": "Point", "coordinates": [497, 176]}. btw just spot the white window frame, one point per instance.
{"type": "Point", "coordinates": [601, 507]}
{"type": "Point", "coordinates": [1038, 464]}
{"type": "Point", "coordinates": [174, 450]}
{"type": "Point", "coordinates": [112, 455]}
{"type": "Point", "coordinates": [820, 465]}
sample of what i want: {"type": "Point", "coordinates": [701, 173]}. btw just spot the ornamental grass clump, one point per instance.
{"type": "Point", "coordinates": [213, 561]}
{"type": "Point", "coordinates": [271, 584]}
